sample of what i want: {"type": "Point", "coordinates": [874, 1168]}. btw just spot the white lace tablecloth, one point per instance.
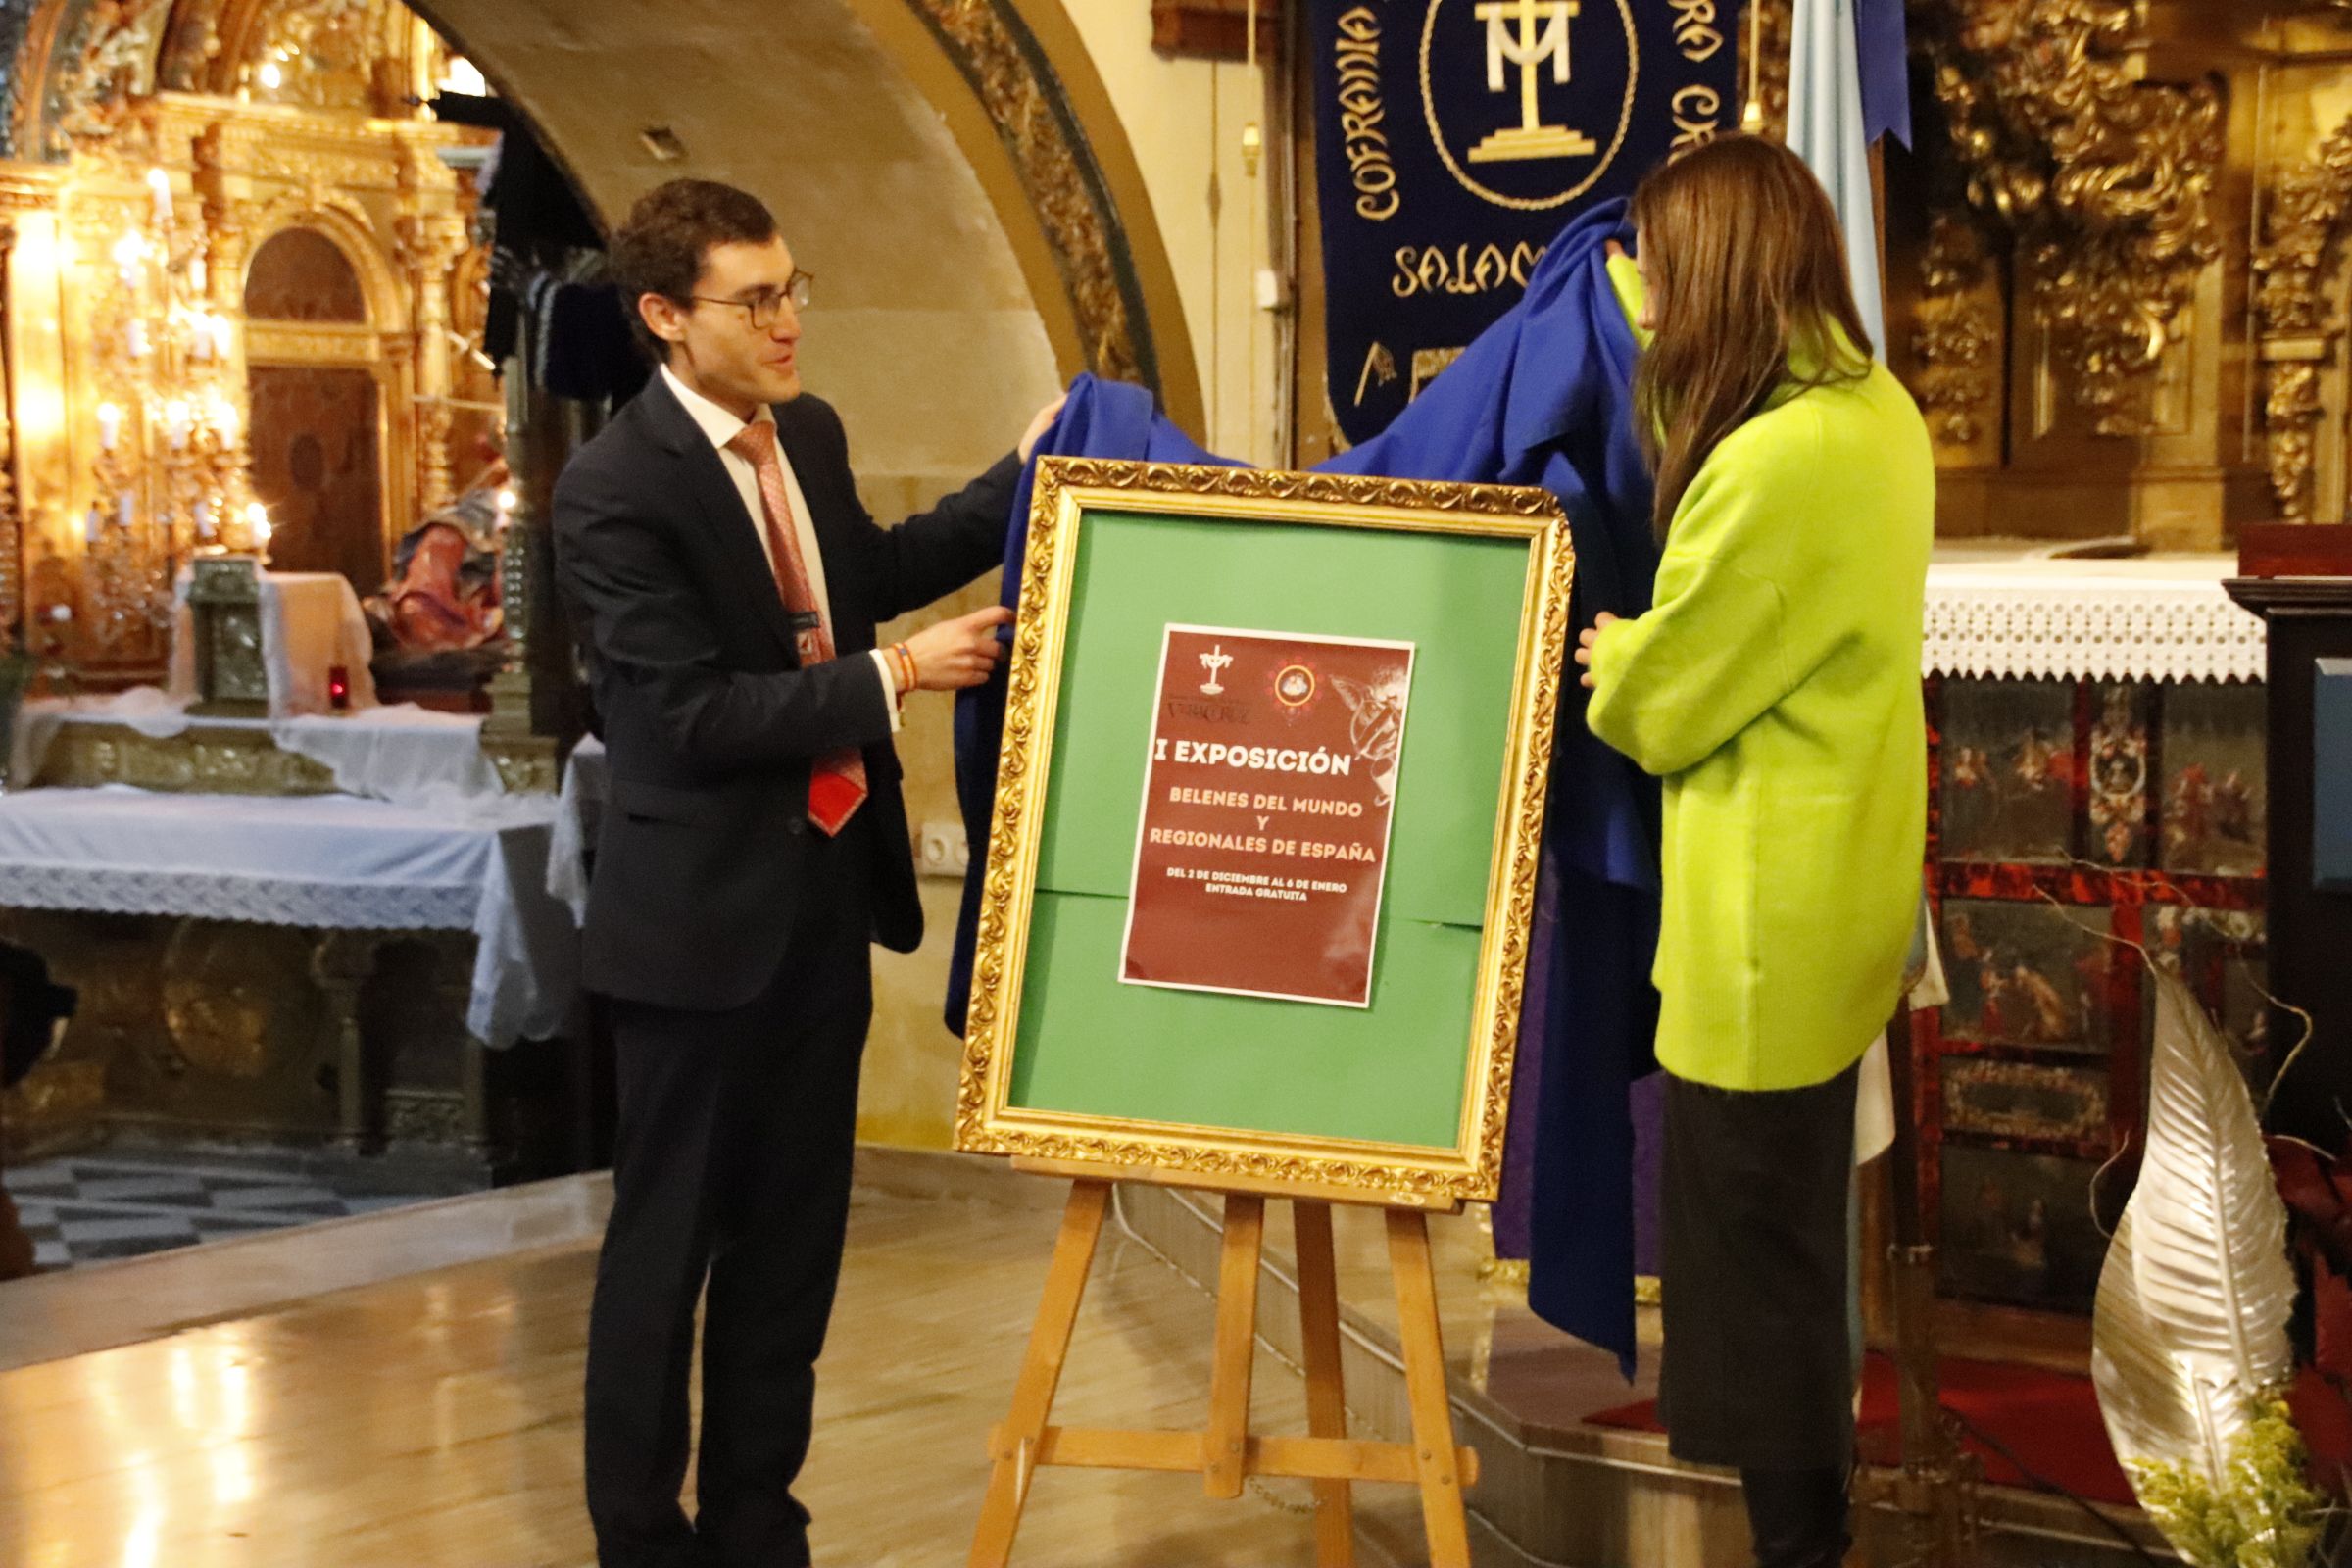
{"type": "Point", "coordinates": [321, 861]}
{"type": "Point", "coordinates": [2004, 614]}
{"type": "Point", "coordinates": [310, 623]}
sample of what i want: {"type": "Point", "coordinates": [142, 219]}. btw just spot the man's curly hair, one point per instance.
{"type": "Point", "coordinates": [660, 249]}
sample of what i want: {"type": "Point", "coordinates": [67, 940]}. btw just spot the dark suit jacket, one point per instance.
{"type": "Point", "coordinates": [707, 716]}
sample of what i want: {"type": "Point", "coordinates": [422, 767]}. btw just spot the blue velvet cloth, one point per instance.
{"type": "Point", "coordinates": [1543, 397]}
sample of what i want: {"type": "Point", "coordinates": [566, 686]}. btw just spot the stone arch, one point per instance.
{"type": "Point", "coordinates": [1012, 84]}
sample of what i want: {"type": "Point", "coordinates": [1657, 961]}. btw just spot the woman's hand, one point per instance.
{"type": "Point", "coordinates": [1585, 638]}
{"type": "Point", "coordinates": [1039, 425]}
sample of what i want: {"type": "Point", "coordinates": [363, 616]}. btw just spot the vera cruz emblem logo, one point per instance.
{"type": "Point", "coordinates": [1558, 73]}
{"type": "Point", "coordinates": [1512, 37]}
{"type": "Point", "coordinates": [1214, 662]}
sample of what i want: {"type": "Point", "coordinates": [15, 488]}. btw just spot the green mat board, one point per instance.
{"type": "Point", "coordinates": [1391, 1072]}
{"type": "Point", "coordinates": [1245, 1063]}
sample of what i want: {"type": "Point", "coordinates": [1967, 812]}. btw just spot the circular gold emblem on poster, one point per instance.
{"type": "Point", "coordinates": [1295, 686]}
{"type": "Point", "coordinates": [1528, 45]}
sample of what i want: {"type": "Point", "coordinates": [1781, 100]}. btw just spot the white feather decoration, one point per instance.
{"type": "Point", "coordinates": [2156, 1410]}
{"type": "Point", "coordinates": [2191, 1320]}
{"type": "Point", "coordinates": [2210, 1238]}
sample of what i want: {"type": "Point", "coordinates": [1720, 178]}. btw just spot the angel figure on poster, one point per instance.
{"type": "Point", "coordinates": [1377, 728]}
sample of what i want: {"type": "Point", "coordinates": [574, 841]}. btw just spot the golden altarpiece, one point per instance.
{"type": "Point", "coordinates": [243, 311]}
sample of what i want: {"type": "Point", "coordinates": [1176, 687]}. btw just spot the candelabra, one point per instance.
{"type": "Point", "coordinates": [170, 479]}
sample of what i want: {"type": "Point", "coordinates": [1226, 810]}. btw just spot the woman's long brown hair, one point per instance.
{"type": "Point", "coordinates": [1744, 261]}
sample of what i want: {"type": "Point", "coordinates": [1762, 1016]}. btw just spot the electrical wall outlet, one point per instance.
{"type": "Point", "coordinates": [940, 849]}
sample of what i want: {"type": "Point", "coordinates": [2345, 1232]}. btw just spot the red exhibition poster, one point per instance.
{"type": "Point", "coordinates": [1264, 840]}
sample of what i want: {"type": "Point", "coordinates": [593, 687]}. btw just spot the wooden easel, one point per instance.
{"type": "Point", "coordinates": [1226, 1452]}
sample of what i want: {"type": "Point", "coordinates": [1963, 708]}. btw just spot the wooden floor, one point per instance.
{"type": "Point", "coordinates": [433, 1421]}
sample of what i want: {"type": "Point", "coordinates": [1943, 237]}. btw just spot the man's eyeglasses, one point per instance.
{"type": "Point", "coordinates": [764, 306]}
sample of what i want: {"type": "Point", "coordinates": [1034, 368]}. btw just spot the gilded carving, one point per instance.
{"type": "Point", "coordinates": [326, 51]}
{"type": "Point", "coordinates": [236, 760]}
{"type": "Point", "coordinates": [2291, 411]}
{"type": "Point", "coordinates": [429, 240]}
{"type": "Point", "coordinates": [1005, 69]}
{"type": "Point", "coordinates": [527, 764]}
{"type": "Point", "coordinates": [429, 1116]}
{"type": "Point", "coordinates": [223, 984]}
{"type": "Point", "coordinates": [107, 66]}
{"type": "Point", "coordinates": [277, 341]}
{"type": "Point", "coordinates": [2103, 177]}
{"type": "Point", "coordinates": [1956, 338]}
{"type": "Point", "coordinates": [2301, 247]}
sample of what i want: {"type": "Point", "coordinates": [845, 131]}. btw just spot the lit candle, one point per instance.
{"type": "Point", "coordinates": [123, 509]}
{"type": "Point", "coordinates": [159, 184]}
{"type": "Point", "coordinates": [130, 252]}
{"type": "Point", "coordinates": [505, 501]}
{"type": "Point", "coordinates": [200, 342]}
{"type": "Point", "coordinates": [222, 340]}
{"type": "Point", "coordinates": [196, 274]}
{"type": "Point", "coordinates": [93, 524]}
{"type": "Point", "coordinates": [176, 420]}
{"type": "Point", "coordinates": [110, 426]}
{"type": "Point", "coordinates": [271, 76]}
{"type": "Point", "coordinates": [257, 517]}
{"type": "Point", "coordinates": [138, 339]}
{"type": "Point", "coordinates": [207, 525]}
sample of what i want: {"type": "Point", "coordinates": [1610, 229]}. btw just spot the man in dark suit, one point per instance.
{"type": "Point", "coordinates": [727, 583]}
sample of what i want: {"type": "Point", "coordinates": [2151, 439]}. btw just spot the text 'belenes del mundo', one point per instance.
{"type": "Point", "coordinates": [1253, 889]}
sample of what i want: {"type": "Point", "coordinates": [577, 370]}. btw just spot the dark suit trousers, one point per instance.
{"type": "Point", "coordinates": [731, 1175]}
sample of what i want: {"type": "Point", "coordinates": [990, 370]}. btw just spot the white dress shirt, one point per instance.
{"type": "Point", "coordinates": [722, 427]}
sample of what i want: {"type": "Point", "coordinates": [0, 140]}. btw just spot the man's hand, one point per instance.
{"type": "Point", "coordinates": [1037, 427]}
{"type": "Point", "coordinates": [955, 654]}
{"type": "Point", "coordinates": [1584, 644]}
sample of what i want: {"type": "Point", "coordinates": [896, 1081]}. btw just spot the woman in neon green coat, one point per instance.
{"type": "Point", "coordinates": [1774, 686]}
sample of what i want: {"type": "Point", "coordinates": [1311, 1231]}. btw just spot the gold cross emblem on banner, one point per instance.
{"type": "Point", "coordinates": [1512, 37]}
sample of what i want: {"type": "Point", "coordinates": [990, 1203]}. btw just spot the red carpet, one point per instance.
{"type": "Point", "coordinates": [2049, 1420]}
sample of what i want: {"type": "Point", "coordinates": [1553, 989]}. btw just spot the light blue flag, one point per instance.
{"type": "Point", "coordinates": [1826, 129]}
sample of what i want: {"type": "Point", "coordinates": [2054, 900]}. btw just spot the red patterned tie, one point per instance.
{"type": "Point", "coordinates": [837, 779]}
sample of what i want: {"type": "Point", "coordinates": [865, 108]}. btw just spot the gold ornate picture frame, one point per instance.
{"type": "Point", "coordinates": [1066, 1067]}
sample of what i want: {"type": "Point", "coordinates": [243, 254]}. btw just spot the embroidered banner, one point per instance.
{"type": "Point", "coordinates": [1265, 839]}
{"type": "Point", "coordinates": [1456, 137]}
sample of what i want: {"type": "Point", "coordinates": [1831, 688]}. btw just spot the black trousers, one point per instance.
{"type": "Point", "coordinates": [731, 1184]}
{"type": "Point", "coordinates": [1758, 1366]}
